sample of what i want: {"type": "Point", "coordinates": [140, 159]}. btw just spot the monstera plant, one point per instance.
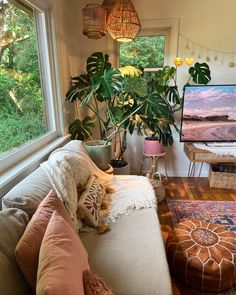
{"type": "Point", "coordinates": [100, 83]}
{"type": "Point", "coordinates": [99, 89]}
{"type": "Point", "coordinates": [129, 99]}
{"type": "Point", "coordinates": [162, 100]}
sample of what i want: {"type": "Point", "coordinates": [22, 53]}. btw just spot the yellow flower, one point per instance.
{"type": "Point", "coordinates": [130, 71]}
{"type": "Point", "coordinates": [178, 61]}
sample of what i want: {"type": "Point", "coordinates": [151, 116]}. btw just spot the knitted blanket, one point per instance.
{"type": "Point", "coordinates": [68, 169]}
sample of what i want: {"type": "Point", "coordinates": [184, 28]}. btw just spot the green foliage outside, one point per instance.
{"type": "Point", "coordinates": [21, 102]}
{"type": "Point", "coordinates": [147, 52]}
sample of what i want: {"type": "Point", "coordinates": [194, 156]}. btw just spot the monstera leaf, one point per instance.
{"type": "Point", "coordinates": [164, 75]}
{"type": "Point", "coordinates": [200, 73]}
{"type": "Point", "coordinates": [81, 130]}
{"type": "Point", "coordinates": [135, 86]}
{"type": "Point", "coordinates": [172, 95]}
{"type": "Point", "coordinates": [108, 84]}
{"type": "Point", "coordinates": [80, 87]}
{"type": "Point", "coordinates": [97, 63]}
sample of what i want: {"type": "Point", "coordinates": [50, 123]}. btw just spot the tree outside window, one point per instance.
{"type": "Point", "coordinates": [22, 108]}
{"type": "Point", "coordinates": [145, 51]}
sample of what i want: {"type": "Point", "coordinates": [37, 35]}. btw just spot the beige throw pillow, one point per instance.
{"type": "Point", "coordinates": [91, 200]}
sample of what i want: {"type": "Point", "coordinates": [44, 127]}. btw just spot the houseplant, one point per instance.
{"type": "Point", "coordinates": [164, 99]}
{"type": "Point", "coordinates": [101, 84]}
{"type": "Point", "coordinates": [131, 100]}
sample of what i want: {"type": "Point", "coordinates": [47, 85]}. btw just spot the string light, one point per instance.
{"type": "Point", "coordinates": [210, 55]}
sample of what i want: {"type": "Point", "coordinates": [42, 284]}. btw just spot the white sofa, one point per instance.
{"type": "Point", "coordinates": [130, 258]}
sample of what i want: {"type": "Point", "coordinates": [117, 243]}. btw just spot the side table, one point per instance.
{"type": "Point", "coordinates": [154, 159]}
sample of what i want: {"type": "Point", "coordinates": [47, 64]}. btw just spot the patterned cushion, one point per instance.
{"type": "Point", "coordinates": [203, 255]}
{"type": "Point", "coordinates": [91, 200]}
{"type": "Point", "coordinates": [94, 285]}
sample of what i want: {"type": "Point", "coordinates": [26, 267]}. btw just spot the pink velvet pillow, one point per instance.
{"type": "Point", "coordinates": [62, 260]}
{"type": "Point", "coordinates": [94, 285]}
{"type": "Point", "coordinates": [27, 249]}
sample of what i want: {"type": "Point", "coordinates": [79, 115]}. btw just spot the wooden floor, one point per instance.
{"type": "Point", "coordinates": [189, 189]}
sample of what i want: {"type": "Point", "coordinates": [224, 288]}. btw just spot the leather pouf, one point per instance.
{"type": "Point", "coordinates": [203, 255]}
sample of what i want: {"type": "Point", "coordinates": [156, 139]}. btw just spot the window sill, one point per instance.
{"type": "Point", "coordinates": [15, 174]}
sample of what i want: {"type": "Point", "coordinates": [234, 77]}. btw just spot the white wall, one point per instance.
{"type": "Point", "coordinates": [68, 28]}
{"type": "Point", "coordinates": [210, 23]}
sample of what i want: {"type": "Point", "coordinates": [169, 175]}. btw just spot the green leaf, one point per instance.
{"type": "Point", "coordinates": [109, 84]}
{"type": "Point", "coordinates": [172, 95]}
{"type": "Point", "coordinates": [97, 63]}
{"type": "Point", "coordinates": [117, 113]}
{"type": "Point", "coordinates": [81, 130]}
{"type": "Point", "coordinates": [135, 86]}
{"type": "Point", "coordinates": [87, 98]}
{"type": "Point", "coordinates": [80, 88]}
{"type": "Point", "coordinates": [200, 73]}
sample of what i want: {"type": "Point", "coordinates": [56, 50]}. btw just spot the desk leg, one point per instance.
{"type": "Point", "coordinates": [200, 170]}
{"type": "Point", "coordinates": [191, 169]}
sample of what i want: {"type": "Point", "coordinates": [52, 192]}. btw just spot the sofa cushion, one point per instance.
{"type": "Point", "coordinates": [12, 226]}
{"type": "Point", "coordinates": [27, 250]}
{"type": "Point", "coordinates": [62, 260]}
{"type": "Point", "coordinates": [28, 193]}
{"type": "Point", "coordinates": [91, 199]}
{"type": "Point", "coordinates": [131, 257]}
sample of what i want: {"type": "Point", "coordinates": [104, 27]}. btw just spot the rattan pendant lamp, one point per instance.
{"type": "Point", "coordinates": [94, 21]}
{"type": "Point", "coordinates": [123, 23]}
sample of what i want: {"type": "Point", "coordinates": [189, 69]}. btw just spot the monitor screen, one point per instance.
{"type": "Point", "coordinates": [209, 113]}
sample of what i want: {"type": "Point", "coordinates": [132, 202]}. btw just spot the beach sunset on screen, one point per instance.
{"type": "Point", "coordinates": [209, 113]}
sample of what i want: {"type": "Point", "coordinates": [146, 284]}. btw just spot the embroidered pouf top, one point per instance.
{"type": "Point", "coordinates": [203, 255]}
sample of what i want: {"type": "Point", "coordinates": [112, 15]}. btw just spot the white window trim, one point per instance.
{"type": "Point", "coordinates": [152, 25]}
{"type": "Point", "coordinates": [47, 35]}
{"type": "Point", "coordinates": [14, 175]}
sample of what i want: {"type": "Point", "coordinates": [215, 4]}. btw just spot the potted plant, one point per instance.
{"type": "Point", "coordinates": [131, 101]}
{"type": "Point", "coordinates": [163, 100]}
{"type": "Point", "coordinates": [101, 84]}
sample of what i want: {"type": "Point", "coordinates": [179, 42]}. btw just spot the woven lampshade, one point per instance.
{"type": "Point", "coordinates": [94, 21]}
{"type": "Point", "coordinates": [123, 23]}
{"type": "Point", "coordinates": [108, 4]}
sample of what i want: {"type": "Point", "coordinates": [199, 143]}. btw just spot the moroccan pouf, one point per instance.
{"type": "Point", "coordinates": [203, 255]}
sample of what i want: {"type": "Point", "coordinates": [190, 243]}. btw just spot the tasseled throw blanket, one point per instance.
{"type": "Point", "coordinates": [69, 169]}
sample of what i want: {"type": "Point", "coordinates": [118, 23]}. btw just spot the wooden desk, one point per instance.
{"type": "Point", "coordinates": [198, 155]}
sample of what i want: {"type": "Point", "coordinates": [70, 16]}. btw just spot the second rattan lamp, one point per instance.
{"type": "Point", "coordinates": [94, 21]}
{"type": "Point", "coordinates": [123, 23]}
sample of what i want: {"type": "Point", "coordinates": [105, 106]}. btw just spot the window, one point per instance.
{"type": "Point", "coordinates": [145, 51]}
{"type": "Point", "coordinates": [167, 29]}
{"type": "Point", "coordinates": [28, 117]}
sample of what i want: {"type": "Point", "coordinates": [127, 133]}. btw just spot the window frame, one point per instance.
{"type": "Point", "coordinates": [48, 63]}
